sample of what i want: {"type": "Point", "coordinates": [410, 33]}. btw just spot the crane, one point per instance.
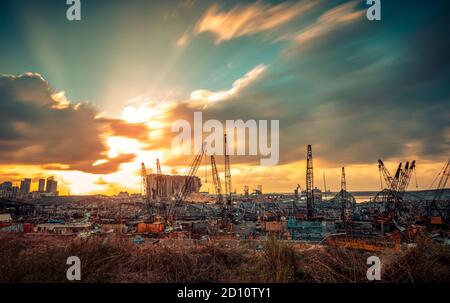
{"type": "Point", "coordinates": [391, 182]}
{"type": "Point", "coordinates": [227, 171]}
{"type": "Point", "coordinates": [397, 186]}
{"type": "Point", "coordinates": [187, 184]}
{"type": "Point", "coordinates": [440, 188]}
{"type": "Point", "coordinates": [297, 191]}
{"type": "Point", "coordinates": [216, 180]}
{"type": "Point", "coordinates": [158, 179]}
{"type": "Point", "coordinates": [309, 185]}
{"type": "Point", "coordinates": [147, 191]}
{"type": "Point", "coordinates": [144, 182]}
{"type": "Point", "coordinates": [442, 181]}
{"type": "Point", "coordinates": [246, 191]}
{"type": "Point", "coordinates": [343, 195]}
{"type": "Point", "coordinates": [405, 178]}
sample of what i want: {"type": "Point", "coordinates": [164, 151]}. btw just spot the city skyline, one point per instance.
{"type": "Point", "coordinates": [25, 186]}
{"type": "Point", "coordinates": [88, 111]}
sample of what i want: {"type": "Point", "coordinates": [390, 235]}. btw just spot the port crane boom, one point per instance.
{"type": "Point", "coordinates": [397, 185]}
{"type": "Point", "coordinates": [309, 185]}
{"type": "Point", "coordinates": [144, 182]}
{"type": "Point", "coordinates": [216, 180]}
{"type": "Point", "coordinates": [228, 189]}
{"type": "Point", "coordinates": [433, 207]}
{"type": "Point", "coordinates": [442, 182]}
{"type": "Point", "coordinates": [158, 179]}
{"type": "Point", "coordinates": [190, 176]}
{"type": "Point", "coordinates": [343, 196]}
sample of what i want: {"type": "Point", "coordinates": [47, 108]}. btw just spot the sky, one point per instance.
{"type": "Point", "coordinates": [88, 101]}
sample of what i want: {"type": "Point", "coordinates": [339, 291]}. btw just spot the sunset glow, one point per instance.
{"type": "Point", "coordinates": [90, 116]}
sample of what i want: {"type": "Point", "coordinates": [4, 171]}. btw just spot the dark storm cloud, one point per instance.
{"type": "Point", "coordinates": [35, 128]}
{"type": "Point", "coordinates": [357, 92]}
{"type": "Point", "coordinates": [365, 93]}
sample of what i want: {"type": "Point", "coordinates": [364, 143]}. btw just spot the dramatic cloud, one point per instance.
{"type": "Point", "coordinates": [121, 128]}
{"type": "Point", "coordinates": [355, 92]}
{"type": "Point", "coordinates": [354, 89]}
{"type": "Point", "coordinates": [331, 20]}
{"type": "Point", "coordinates": [249, 19]}
{"type": "Point", "coordinates": [238, 86]}
{"type": "Point", "coordinates": [39, 126]}
{"type": "Point", "coordinates": [110, 166]}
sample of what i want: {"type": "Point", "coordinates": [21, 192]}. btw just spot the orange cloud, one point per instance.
{"type": "Point", "coordinates": [105, 167]}
{"type": "Point", "coordinates": [340, 15]}
{"type": "Point", "coordinates": [121, 128]}
{"type": "Point", "coordinates": [238, 85]}
{"type": "Point", "coordinates": [39, 126]}
{"type": "Point", "coordinates": [249, 19]}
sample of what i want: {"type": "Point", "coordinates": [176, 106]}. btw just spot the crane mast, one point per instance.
{"type": "Point", "coordinates": [406, 178]}
{"type": "Point", "coordinates": [227, 171]}
{"type": "Point", "coordinates": [343, 195]}
{"type": "Point", "coordinates": [325, 186]}
{"type": "Point", "coordinates": [391, 182]}
{"type": "Point", "coordinates": [246, 191]}
{"type": "Point", "coordinates": [309, 185]}
{"type": "Point", "coordinates": [158, 179]}
{"type": "Point", "coordinates": [398, 184]}
{"type": "Point", "coordinates": [144, 182]}
{"type": "Point", "coordinates": [442, 181]}
{"type": "Point", "coordinates": [440, 189]}
{"type": "Point", "coordinates": [190, 176]}
{"type": "Point", "coordinates": [216, 180]}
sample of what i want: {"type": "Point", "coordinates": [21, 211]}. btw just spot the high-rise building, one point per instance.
{"type": "Point", "coordinates": [25, 186]}
{"type": "Point", "coordinates": [48, 188]}
{"type": "Point", "coordinates": [41, 187]}
{"type": "Point", "coordinates": [6, 185]}
{"type": "Point", "coordinates": [52, 186]}
{"type": "Point", "coordinates": [55, 187]}
{"type": "Point", "coordinates": [7, 190]}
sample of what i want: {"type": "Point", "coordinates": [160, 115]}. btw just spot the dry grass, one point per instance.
{"type": "Point", "coordinates": [38, 260]}
{"type": "Point", "coordinates": [427, 263]}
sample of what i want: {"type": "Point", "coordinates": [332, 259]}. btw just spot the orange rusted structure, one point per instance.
{"type": "Point", "coordinates": [436, 220]}
{"type": "Point", "coordinates": [274, 226]}
{"type": "Point", "coordinates": [363, 244]}
{"type": "Point", "coordinates": [153, 228]}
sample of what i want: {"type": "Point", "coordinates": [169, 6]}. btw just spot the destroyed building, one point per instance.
{"type": "Point", "coordinates": [169, 186]}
